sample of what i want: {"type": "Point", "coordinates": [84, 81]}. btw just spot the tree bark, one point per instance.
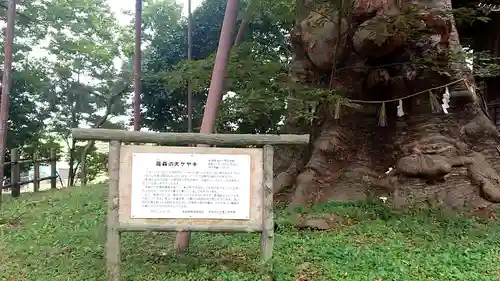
{"type": "Point", "coordinates": [368, 55]}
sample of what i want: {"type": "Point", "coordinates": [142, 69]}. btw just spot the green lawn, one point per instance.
{"type": "Point", "coordinates": [60, 236]}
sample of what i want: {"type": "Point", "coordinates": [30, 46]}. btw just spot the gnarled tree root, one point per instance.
{"type": "Point", "coordinates": [432, 169]}
{"type": "Point", "coordinates": [329, 151]}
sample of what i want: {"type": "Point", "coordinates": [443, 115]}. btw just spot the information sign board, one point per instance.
{"type": "Point", "coordinates": [187, 185]}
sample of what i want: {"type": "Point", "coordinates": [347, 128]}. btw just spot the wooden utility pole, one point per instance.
{"type": "Point", "coordinates": [220, 68]}
{"type": "Point", "coordinates": [189, 55]}
{"type": "Point", "coordinates": [215, 90]}
{"type": "Point", "coordinates": [6, 83]}
{"type": "Point", "coordinates": [137, 65]}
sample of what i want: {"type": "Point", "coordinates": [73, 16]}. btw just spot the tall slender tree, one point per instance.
{"type": "Point", "coordinates": [6, 82]}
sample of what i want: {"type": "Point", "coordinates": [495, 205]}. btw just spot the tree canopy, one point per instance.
{"type": "Point", "coordinates": [64, 74]}
{"type": "Point", "coordinates": [257, 71]}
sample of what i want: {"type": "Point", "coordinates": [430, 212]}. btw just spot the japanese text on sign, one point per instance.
{"type": "Point", "coordinates": [179, 185]}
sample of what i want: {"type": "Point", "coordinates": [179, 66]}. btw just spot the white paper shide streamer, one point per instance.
{"type": "Point", "coordinates": [446, 100]}
{"type": "Point", "coordinates": [400, 109]}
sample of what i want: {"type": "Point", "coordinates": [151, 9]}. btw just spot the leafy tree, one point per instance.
{"type": "Point", "coordinates": [28, 110]}
{"type": "Point", "coordinates": [368, 51]}
{"type": "Point", "coordinates": [84, 41]}
{"type": "Point", "coordinates": [26, 129]}
{"type": "Point", "coordinates": [264, 60]}
{"type": "Point", "coordinates": [164, 32]}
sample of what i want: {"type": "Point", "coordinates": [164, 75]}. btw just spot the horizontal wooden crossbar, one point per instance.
{"type": "Point", "coordinates": [21, 183]}
{"type": "Point", "coordinates": [187, 138]}
{"type": "Point", "coordinates": [165, 227]}
{"type": "Point", "coordinates": [24, 161]}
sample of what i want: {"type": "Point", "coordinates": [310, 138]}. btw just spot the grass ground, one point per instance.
{"type": "Point", "coordinates": [59, 236]}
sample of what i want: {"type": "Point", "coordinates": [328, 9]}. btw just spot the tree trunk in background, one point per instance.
{"type": "Point", "coordinates": [487, 38]}
{"type": "Point", "coordinates": [215, 91]}
{"type": "Point", "coordinates": [365, 51]}
{"type": "Point", "coordinates": [71, 162]}
{"type": "Point", "coordinates": [83, 160]}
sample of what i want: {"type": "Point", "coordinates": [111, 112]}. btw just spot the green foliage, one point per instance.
{"type": "Point", "coordinates": [86, 89]}
{"type": "Point", "coordinates": [26, 106]}
{"type": "Point", "coordinates": [485, 64]}
{"type": "Point", "coordinates": [280, 12]}
{"type": "Point", "coordinates": [43, 147]}
{"type": "Point", "coordinates": [78, 83]}
{"type": "Point", "coordinates": [166, 108]}
{"type": "Point", "coordinates": [160, 16]}
{"type": "Point", "coordinates": [27, 112]}
{"type": "Point", "coordinates": [469, 16]}
{"type": "Point", "coordinates": [74, 83]}
{"type": "Point", "coordinates": [256, 72]}
{"type": "Point", "coordinates": [255, 75]}
{"type": "Point", "coordinates": [96, 163]}
{"type": "Point", "coordinates": [368, 241]}
{"type": "Point", "coordinates": [31, 84]}
{"type": "Point", "coordinates": [30, 26]}
{"type": "Point", "coordinates": [84, 41]}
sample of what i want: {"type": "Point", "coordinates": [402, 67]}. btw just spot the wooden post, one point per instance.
{"type": "Point", "coordinates": [113, 235]}
{"type": "Point", "coordinates": [36, 173]}
{"type": "Point", "coordinates": [53, 169]}
{"type": "Point", "coordinates": [83, 172]}
{"type": "Point", "coordinates": [267, 236]}
{"type": "Point", "coordinates": [15, 173]}
{"type": "Point", "coordinates": [187, 138]}
{"type": "Point", "coordinates": [115, 226]}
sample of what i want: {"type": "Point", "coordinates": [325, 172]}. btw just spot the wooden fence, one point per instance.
{"type": "Point", "coordinates": [15, 172]}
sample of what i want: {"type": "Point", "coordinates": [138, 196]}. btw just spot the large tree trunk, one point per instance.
{"type": "Point", "coordinates": [365, 51]}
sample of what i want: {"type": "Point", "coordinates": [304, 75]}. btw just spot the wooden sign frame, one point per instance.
{"type": "Point", "coordinates": [116, 223]}
{"type": "Point", "coordinates": [127, 223]}
{"type": "Point", "coordinates": [119, 197]}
